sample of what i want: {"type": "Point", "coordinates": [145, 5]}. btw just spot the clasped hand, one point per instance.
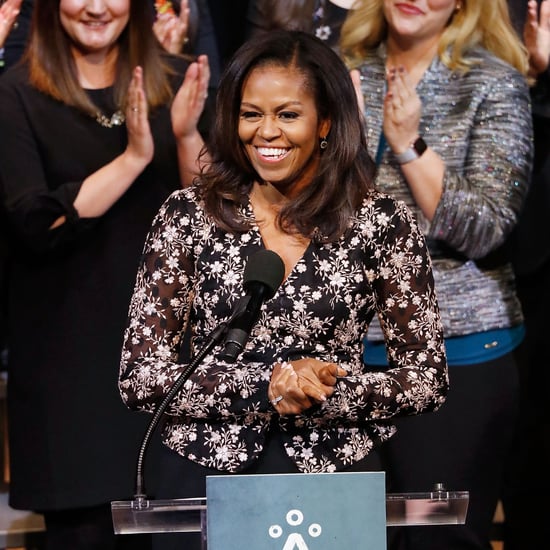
{"type": "Point", "coordinates": [298, 385]}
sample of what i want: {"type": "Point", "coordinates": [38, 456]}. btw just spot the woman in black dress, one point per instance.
{"type": "Point", "coordinates": [94, 131]}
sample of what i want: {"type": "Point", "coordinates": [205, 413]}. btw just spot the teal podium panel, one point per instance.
{"type": "Point", "coordinates": [297, 511]}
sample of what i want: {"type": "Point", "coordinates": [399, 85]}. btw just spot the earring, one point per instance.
{"type": "Point", "coordinates": [458, 6]}
{"type": "Point", "coordinates": [324, 143]}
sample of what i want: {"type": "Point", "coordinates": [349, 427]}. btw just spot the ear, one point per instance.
{"type": "Point", "coordinates": [324, 128]}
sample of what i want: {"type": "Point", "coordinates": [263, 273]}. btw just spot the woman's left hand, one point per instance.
{"type": "Point", "coordinates": [298, 385]}
{"type": "Point", "coordinates": [189, 101]}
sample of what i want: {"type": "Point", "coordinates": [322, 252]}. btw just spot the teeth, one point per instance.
{"type": "Point", "coordinates": [271, 151]}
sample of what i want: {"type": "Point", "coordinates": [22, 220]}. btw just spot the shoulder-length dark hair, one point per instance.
{"type": "Point", "coordinates": [346, 171]}
{"type": "Point", "coordinates": [52, 68]}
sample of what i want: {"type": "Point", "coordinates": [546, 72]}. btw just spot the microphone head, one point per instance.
{"type": "Point", "coordinates": [265, 267]}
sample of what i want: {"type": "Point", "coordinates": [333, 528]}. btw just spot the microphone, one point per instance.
{"type": "Point", "coordinates": [263, 274]}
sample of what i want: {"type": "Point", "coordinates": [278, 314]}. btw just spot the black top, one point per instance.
{"type": "Point", "coordinates": [72, 441]}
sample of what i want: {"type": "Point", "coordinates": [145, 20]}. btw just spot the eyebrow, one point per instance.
{"type": "Point", "coordinates": [278, 108]}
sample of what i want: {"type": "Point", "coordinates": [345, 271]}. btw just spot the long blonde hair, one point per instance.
{"type": "Point", "coordinates": [483, 23]}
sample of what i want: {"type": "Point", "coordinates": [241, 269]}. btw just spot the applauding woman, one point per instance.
{"type": "Point", "coordinates": [96, 127]}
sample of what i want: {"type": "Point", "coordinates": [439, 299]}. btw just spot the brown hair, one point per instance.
{"type": "Point", "coordinates": [346, 172]}
{"type": "Point", "coordinates": [52, 69]}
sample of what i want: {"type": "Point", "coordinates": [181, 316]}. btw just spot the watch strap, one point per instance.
{"type": "Point", "coordinates": [416, 150]}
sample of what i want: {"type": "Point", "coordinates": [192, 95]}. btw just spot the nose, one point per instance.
{"type": "Point", "coordinates": [95, 6]}
{"type": "Point", "coordinates": [269, 128]}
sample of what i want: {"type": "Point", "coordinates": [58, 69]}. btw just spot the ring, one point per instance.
{"type": "Point", "coordinates": [276, 400]}
{"type": "Point", "coordinates": [135, 109]}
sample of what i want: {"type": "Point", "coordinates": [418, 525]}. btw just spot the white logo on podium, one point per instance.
{"type": "Point", "coordinates": [295, 541]}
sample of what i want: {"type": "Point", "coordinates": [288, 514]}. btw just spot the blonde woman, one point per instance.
{"type": "Point", "coordinates": [443, 85]}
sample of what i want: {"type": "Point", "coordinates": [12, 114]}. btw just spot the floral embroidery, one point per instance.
{"type": "Point", "coordinates": [192, 271]}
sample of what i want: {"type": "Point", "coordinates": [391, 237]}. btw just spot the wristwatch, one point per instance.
{"type": "Point", "coordinates": [415, 150]}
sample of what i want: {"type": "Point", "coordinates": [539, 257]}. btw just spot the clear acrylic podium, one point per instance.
{"type": "Point", "coordinates": [436, 507]}
{"type": "Point", "coordinates": [143, 515]}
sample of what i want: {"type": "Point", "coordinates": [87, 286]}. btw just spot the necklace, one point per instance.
{"type": "Point", "coordinates": [117, 119]}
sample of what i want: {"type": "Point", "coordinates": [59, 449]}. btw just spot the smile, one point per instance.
{"type": "Point", "coordinates": [95, 23]}
{"type": "Point", "coordinates": [272, 153]}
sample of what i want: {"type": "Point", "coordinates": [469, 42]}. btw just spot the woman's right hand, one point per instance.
{"type": "Point", "coordinates": [9, 11]}
{"type": "Point", "coordinates": [140, 140]}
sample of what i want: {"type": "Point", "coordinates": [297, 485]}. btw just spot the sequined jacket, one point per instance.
{"type": "Point", "coordinates": [191, 269]}
{"type": "Point", "coordinates": [480, 124]}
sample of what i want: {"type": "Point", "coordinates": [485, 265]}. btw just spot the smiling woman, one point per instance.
{"type": "Point", "coordinates": [289, 172]}
{"type": "Point", "coordinates": [101, 118]}
{"type": "Point", "coordinates": [280, 129]}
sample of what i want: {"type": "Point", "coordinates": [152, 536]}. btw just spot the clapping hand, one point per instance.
{"type": "Point", "coordinates": [140, 139]}
{"type": "Point", "coordinates": [171, 29]}
{"type": "Point", "coordinates": [9, 11]}
{"type": "Point", "coordinates": [189, 101]}
{"type": "Point", "coordinates": [536, 35]}
{"type": "Point", "coordinates": [402, 110]}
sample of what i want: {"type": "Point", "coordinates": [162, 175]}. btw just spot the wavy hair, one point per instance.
{"type": "Point", "coordinates": [346, 172]}
{"type": "Point", "coordinates": [483, 23]}
{"type": "Point", "coordinates": [52, 69]}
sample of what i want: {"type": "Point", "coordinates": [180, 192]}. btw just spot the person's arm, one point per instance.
{"type": "Point", "coordinates": [482, 200]}
{"type": "Point", "coordinates": [104, 187]}
{"type": "Point", "coordinates": [417, 378]}
{"type": "Point", "coordinates": [50, 201]}
{"type": "Point", "coordinates": [402, 113]}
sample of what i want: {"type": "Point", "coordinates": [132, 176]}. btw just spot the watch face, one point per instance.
{"type": "Point", "coordinates": [420, 146]}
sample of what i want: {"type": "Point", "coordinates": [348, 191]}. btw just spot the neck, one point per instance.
{"type": "Point", "coordinates": [414, 56]}
{"type": "Point", "coordinates": [96, 70]}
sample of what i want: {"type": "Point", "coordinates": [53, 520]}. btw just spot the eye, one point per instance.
{"type": "Point", "coordinates": [251, 116]}
{"type": "Point", "coordinates": [288, 115]}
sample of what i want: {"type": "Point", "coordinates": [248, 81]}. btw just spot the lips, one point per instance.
{"type": "Point", "coordinates": [408, 9]}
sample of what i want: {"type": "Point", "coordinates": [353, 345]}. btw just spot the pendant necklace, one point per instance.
{"type": "Point", "coordinates": [117, 119]}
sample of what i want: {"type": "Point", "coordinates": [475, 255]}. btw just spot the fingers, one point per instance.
{"type": "Point", "coordinates": [136, 102]}
{"type": "Point", "coordinates": [284, 392]}
{"type": "Point", "coordinates": [356, 80]}
{"type": "Point", "coordinates": [140, 140]}
{"type": "Point", "coordinates": [8, 14]}
{"type": "Point", "coordinates": [302, 383]}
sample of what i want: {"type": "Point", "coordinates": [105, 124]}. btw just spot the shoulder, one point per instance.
{"type": "Point", "coordinates": [490, 69]}
{"type": "Point", "coordinates": [384, 210]}
{"type": "Point", "coordinates": [182, 202]}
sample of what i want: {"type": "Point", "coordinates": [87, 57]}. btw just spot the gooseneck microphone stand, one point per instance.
{"type": "Point", "coordinates": [215, 337]}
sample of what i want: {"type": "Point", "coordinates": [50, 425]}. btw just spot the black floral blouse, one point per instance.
{"type": "Point", "coordinates": [191, 276]}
